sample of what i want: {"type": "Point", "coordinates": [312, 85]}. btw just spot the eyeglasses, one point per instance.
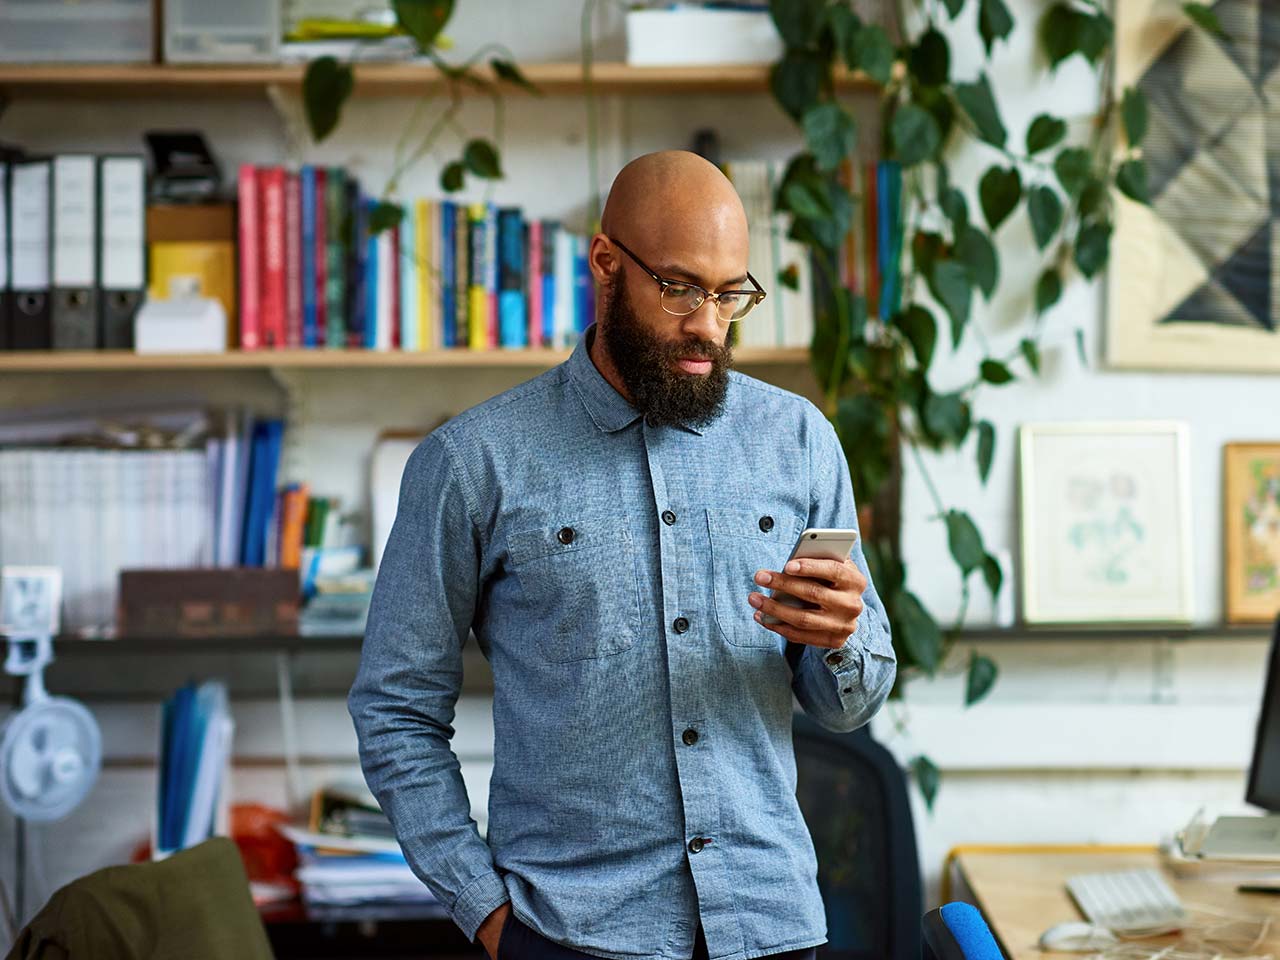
{"type": "Point", "coordinates": [681, 298]}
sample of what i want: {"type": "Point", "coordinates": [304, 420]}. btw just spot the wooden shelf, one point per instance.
{"type": "Point", "coordinates": [71, 361]}
{"type": "Point", "coordinates": [88, 81]}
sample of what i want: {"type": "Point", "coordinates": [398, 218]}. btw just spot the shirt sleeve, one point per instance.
{"type": "Point", "coordinates": [409, 679]}
{"type": "Point", "coordinates": [843, 688]}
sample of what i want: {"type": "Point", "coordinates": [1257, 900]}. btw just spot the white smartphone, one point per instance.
{"type": "Point", "coordinates": [821, 543]}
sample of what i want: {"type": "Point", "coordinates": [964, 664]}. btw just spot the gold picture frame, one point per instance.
{"type": "Point", "coordinates": [1105, 510]}
{"type": "Point", "coordinates": [1251, 531]}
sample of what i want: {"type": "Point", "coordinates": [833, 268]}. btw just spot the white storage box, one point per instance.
{"type": "Point", "coordinates": [90, 31]}
{"type": "Point", "coordinates": [186, 325]}
{"type": "Point", "coordinates": [694, 35]}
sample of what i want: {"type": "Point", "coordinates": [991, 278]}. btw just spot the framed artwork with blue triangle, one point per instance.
{"type": "Point", "coordinates": [1194, 278]}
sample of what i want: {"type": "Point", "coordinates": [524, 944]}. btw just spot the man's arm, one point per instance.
{"type": "Point", "coordinates": [409, 679]}
{"type": "Point", "coordinates": [843, 688]}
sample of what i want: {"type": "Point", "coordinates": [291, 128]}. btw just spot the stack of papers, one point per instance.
{"type": "Point", "coordinates": [195, 754]}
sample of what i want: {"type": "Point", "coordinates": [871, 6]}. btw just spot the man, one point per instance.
{"type": "Point", "coordinates": [608, 531]}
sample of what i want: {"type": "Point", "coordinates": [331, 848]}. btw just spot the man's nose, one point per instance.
{"type": "Point", "coordinates": [704, 323]}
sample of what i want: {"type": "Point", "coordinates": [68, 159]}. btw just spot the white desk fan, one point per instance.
{"type": "Point", "coordinates": [51, 749]}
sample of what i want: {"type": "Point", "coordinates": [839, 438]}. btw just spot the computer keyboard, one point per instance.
{"type": "Point", "coordinates": [1127, 901]}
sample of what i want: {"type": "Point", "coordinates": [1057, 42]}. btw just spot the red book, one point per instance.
{"type": "Point", "coordinates": [293, 260]}
{"type": "Point", "coordinates": [396, 307]}
{"type": "Point", "coordinates": [533, 281]}
{"type": "Point", "coordinates": [870, 183]}
{"type": "Point", "coordinates": [250, 253]}
{"type": "Point", "coordinates": [271, 185]}
{"type": "Point", "coordinates": [321, 257]}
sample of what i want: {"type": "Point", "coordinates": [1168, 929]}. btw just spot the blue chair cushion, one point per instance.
{"type": "Point", "coordinates": [956, 931]}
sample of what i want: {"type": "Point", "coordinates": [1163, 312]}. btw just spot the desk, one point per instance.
{"type": "Point", "coordinates": [1022, 891]}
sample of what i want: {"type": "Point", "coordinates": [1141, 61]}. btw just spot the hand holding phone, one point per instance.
{"type": "Point", "coordinates": [822, 543]}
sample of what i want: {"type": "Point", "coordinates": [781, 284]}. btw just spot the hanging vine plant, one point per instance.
{"type": "Point", "coordinates": [873, 360]}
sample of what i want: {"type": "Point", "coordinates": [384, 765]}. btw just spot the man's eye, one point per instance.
{"type": "Point", "coordinates": [680, 290]}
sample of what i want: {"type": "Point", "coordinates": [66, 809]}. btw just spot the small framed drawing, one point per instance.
{"type": "Point", "coordinates": [1251, 531]}
{"type": "Point", "coordinates": [1106, 522]}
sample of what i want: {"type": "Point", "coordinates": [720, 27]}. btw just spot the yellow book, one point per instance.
{"type": "Point", "coordinates": [422, 246]}
{"type": "Point", "coordinates": [477, 292]}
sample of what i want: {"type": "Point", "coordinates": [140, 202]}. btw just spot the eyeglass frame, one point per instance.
{"type": "Point", "coordinates": [759, 293]}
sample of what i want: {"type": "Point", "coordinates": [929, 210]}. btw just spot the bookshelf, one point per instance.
{"type": "Point", "coordinates": [98, 81]}
{"type": "Point", "coordinates": [90, 361]}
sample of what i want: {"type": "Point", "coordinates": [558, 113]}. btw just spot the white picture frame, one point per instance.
{"type": "Point", "coordinates": [1105, 509]}
{"type": "Point", "coordinates": [30, 601]}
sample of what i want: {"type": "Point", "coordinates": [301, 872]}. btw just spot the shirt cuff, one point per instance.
{"type": "Point", "coordinates": [846, 659]}
{"type": "Point", "coordinates": [479, 898]}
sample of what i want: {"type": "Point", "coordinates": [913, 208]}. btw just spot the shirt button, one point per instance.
{"type": "Point", "coordinates": [696, 845]}
{"type": "Point", "coordinates": [651, 421]}
{"type": "Point", "coordinates": [766, 524]}
{"type": "Point", "coordinates": [565, 535]}
{"type": "Point", "coordinates": [681, 624]}
{"type": "Point", "coordinates": [835, 659]}
{"type": "Point", "coordinates": [690, 737]}
{"type": "Point", "coordinates": [668, 517]}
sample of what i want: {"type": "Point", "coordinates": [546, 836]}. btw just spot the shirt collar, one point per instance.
{"type": "Point", "coordinates": [607, 407]}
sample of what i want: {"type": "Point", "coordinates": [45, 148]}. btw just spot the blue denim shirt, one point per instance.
{"type": "Point", "coordinates": [643, 773]}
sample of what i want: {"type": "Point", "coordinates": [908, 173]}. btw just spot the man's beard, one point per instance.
{"type": "Point", "coordinates": [647, 365]}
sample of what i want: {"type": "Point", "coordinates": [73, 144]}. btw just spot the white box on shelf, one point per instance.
{"type": "Point", "coordinates": [691, 35]}
{"type": "Point", "coordinates": [186, 325]}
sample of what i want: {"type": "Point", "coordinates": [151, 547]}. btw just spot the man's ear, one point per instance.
{"type": "Point", "coordinates": [602, 259]}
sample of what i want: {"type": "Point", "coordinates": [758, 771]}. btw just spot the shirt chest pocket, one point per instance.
{"type": "Point", "coordinates": [744, 540]}
{"type": "Point", "coordinates": [579, 580]}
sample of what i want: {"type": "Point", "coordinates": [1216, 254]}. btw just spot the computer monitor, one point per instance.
{"type": "Point", "coordinates": [1264, 773]}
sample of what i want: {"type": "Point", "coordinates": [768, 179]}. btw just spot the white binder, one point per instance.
{"type": "Point", "coordinates": [74, 314]}
{"type": "Point", "coordinates": [29, 254]}
{"type": "Point", "coordinates": [122, 238]}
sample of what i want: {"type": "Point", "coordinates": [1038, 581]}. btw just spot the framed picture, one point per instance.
{"type": "Point", "coordinates": [1106, 523]}
{"type": "Point", "coordinates": [1192, 274]}
{"type": "Point", "coordinates": [1251, 531]}
{"type": "Point", "coordinates": [30, 601]}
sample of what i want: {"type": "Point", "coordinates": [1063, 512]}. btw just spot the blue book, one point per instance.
{"type": "Point", "coordinates": [581, 285]}
{"type": "Point", "coordinates": [550, 228]}
{"type": "Point", "coordinates": [181, 717]}
{"type": "Point", "coordinates": [409, 268]}
{"type": "Point", "coordinates": [447, 241]}
{"type": "Point", "coordinates": [370, 270]}
{"type": "Point", "coordinates": [310, 326]}
{"type": "Point", "coordinates": [513, 324]}
{"type": "Point", "coordinates": [267, 437]}
{"type": "Point", "coordinates": [359, 279]}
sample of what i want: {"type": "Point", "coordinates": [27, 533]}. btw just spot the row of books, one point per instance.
{"type": "Point", "coordinates": [195, 754]}
{"type": "Point", "coordinates": [315, 273]}
{"type": "Point", "coordinates": [871, 256]}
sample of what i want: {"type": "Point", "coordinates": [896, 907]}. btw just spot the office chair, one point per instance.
{"type": "Point", "coordinates": [956, 931]}
{"type": "Point", "coordinates": [194, 904]}
{"type": "Point", "coordinates": [853, 796]}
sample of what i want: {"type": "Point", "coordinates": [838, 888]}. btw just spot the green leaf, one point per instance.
{"type": "Point", "coordinates": [844, 25]}
{"type": "Point", "coordinates": [1131, 178]}
{"type": "Point", "coordinates": [864, 432]}
{"type": "Point", "coordinates": [451, 177]}
{"type": "Point", "coordinates": [325, 88]}
{"type": "Point", "coordinates": [1072, 166]}
{"type": "Point", "coordinates": [964, 541]}
{"type": "Point", "coordinates": [804, 200]}
{"type": "Point", "coordinates": [927, 777]}
{"type": "Point", "coordinates": [830, 133]}
{"type": "Point", "coordinates": [385, 216]}
{"type": "Point", "coordinates": [507, 71]}
{"type": "Point", "coordinates": [1095, 36]}
{"type": "Point", "coordinates": [873, 52]}
{"type": "Point", "coordinates": [996, 373]}
{"type": "Point", "coordinates": [1030, 353]}
{"type": "Point", "coordinates": [947, 417]}
{"type": "Point", "coordinates": [921, 330]}
{"type": "Point", "coordinates": [982, 677]}
{"type": "Point", "coordinates": [994, 576]}
{"type": "Point", "coordinates": [481, 158]}
{"type": "Point", "coordinates": [1133, 108]}
{"type": "Point", "coordinates": [1093, 247]}
{"type": "Point", "coordinates": [931, 59]}
{"type": "Point", "coordinates": [975, 250]}
{"type": "Point", "coordinates": [796, 81]}
{"type": "Point", "coordinates": [956, 209]}
{"type": "Point", "coordinates": [797, 20]}
{"type": "Point", "coordinates": [1045, 210]}
{"type": "Point", "coordinates": [1048, 290]}
{"type": "Point", "coordinates": [1045, 131]}
{"type": "Point", "coordinates": [1093, 198]}
{"type": "Point", "coordinates": [994, 22]}
{"type": "Point", "coordinates": [918, 632]}
{"type": "Point", "coordinates": [1059, 33]}
{"type": "Point", "coordinates": [999, 191]}
{"type": "Point", "coordinates": [1203, 17]}
{"type": "Point", "coordinates": [986, 448]}
{"type": "Point", "coordinates": [423, 19]}
{"type": "Point", "coordinates": [1080, 352]}
{"type": "Point", "coordinates": [950, 285]}
{"type": "Point", "coordinates": [914, 133]}
{"type": "Point", "coordinates": [980, 104]}
{"type": "Point", "coordinates": [953, 7]}
{"type": "Point", "coordinates": [789, 277]}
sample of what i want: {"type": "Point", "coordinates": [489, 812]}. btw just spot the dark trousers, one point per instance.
{"type": "Point", "coordinates": [520, 942]}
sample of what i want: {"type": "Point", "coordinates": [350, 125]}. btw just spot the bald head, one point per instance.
{"type": "Point", "coordinates": [681, 210]}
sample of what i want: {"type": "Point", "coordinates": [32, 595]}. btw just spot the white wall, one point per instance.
{"type": "Point", "coordinates": [1027, 765]}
